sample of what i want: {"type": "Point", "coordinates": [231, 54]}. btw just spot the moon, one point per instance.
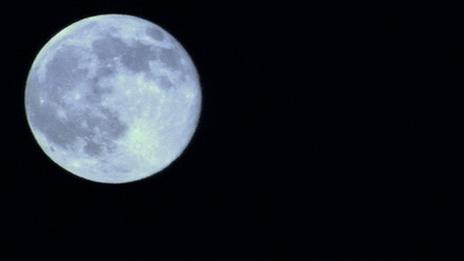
{"type": "Point", "coordinates": [113, 98]}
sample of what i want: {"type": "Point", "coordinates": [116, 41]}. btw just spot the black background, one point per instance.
{"type": "Point", "coordinates": [329, 131]}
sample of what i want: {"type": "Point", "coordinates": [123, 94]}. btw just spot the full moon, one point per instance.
{"type": "Point", "coordinates": [113, 98]}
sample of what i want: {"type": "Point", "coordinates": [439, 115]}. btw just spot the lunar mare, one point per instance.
{"type": "Point", "coordinates": [113, 98]}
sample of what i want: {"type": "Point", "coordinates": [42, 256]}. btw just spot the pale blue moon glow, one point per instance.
{"type": "Point", "coordinates": [113, 98]}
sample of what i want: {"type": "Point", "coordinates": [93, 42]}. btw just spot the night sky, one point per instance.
{"type": "Point", "coordinates": [328, 131]}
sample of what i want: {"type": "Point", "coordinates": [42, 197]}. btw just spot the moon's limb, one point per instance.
{"type": "Point", "coordinates": [113, 98]}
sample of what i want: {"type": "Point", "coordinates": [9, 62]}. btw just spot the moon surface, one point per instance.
{"type": "Point", "coordinates": [113, 98]}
